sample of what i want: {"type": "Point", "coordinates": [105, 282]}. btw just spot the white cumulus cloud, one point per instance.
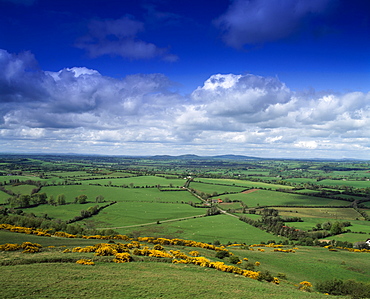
{"type": "Point", "coordinates": [79, 110]}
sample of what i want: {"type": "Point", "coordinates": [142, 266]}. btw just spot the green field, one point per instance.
{"type": "Point", "coordinates": [63, 212]}
{"type": "Point", "coordinates": [207, 229]}
{"type": "Point", "coordinates": [136, 213]}
{"type": "Point", "coordinates": [351, 237]}
{"type": "Point", "coordinates": [3, 197]}
{"type": "Point", "coordinates": [119, 194]}
{"type": "Point", "coordinates": [243, 183]}
{"type": "Point", "coordinates": [325, 213]}
{"type": "Point", "coordinates": [21, 189]}
{"type": "Point", "coordinates": [211, 188]}
{"type": "Point", "coordinates": [348, 183]}
{"type": "Point", "coordinates": [271, 198]}
{"type": "Point", "coordinates": [312, 263]}
{"type": "Point", "coordinates": [140, 181]}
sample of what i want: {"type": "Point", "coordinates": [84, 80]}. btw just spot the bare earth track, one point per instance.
{"type": "Point", "coordinates": [250, 191]}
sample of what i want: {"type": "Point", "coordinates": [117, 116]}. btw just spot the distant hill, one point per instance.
{"type": "Point", "coordinates": [196, 157]}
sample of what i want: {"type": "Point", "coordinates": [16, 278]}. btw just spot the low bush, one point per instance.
{"type": "Point", "coordinates": [222, 254]}
{"type": "Point", "coordinates": [339, 287]}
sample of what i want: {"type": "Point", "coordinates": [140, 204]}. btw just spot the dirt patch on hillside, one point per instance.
{"type": "Point", "coordinates": [250, 191]}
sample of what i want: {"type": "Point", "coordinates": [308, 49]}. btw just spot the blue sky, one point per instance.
{"type": "Point", "coordinates": [268, 78]}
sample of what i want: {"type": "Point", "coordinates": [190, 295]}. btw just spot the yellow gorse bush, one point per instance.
{"type": "Point", "coordinates": [85, 262]}
{"type": "Point", "coordinates": [284, 250]}
{"type": "Point", "coordinates": [123, 257]}
{"type": "Point", "coordinates": [10, 247]}
{"type": "Point", "coordinates": [221, 266]}
{"type": "Point", "coordinates": [27, 247]}
{"type": "Point", "coordinates": [305, 286]}
{"type": "Point", "coordinates": [194, 253]}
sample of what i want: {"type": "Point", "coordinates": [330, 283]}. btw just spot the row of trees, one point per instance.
{"type": "Point", "coordinates": [26, 201]}
{"type": "Point", "coordinates": [273, 223]}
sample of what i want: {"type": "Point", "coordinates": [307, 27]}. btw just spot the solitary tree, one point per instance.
{"type": "Point", "coordinates": [99, 198]}
{"type": "Point", "coordinates": [81, 199]}
{"type": "Point", "coordinates": [61, 199]}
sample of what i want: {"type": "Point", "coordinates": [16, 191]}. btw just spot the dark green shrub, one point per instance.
{"type": "Point", "coordinates": [281, 276]}
{"type": "Point", "coordinates": [350, 287]}
{"type": "Point", "coordinates": [249, 266]}
{"type": "Point", "coordinates": [234, 259]}
{"type": "Point", "coordinates": [222, 254]}
{"type": "Point", "coordinates": [265, 275]}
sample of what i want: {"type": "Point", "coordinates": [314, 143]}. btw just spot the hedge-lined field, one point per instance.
{"type": "Point", "coordinates": [118, 194]}
{"type": "Point", "coordinates": [208, 229]}
{"type": "Point", "coordinates": [63, 212]}
{"type": "Point", "coordinates": [273, 198]}
{"type": "Point", "coordinates": [140, 181]}
{"type": "Point", "coordinates": [327, 213]}
{"type": "Point", "coordinates": [136, 213]}
{"type": "Point", "coordinates": [243, 183]}
{"type": "Point", "coordinates": [210, 188]}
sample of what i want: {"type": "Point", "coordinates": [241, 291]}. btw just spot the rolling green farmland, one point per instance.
{"type": "Point", "coordinates": [166, 197]}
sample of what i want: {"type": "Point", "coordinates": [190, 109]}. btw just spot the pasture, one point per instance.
{"type": "Point", "coordinates": [138, 213]}
{"type": "Point", "coordinates": [313, 264]}
{"type": "Point", "coordinates": [274, 198]}
{"type": "Point", "coordinates": [138, 181]}
{"type": "Point", "coordinates": [118, 194]}
{"type": "Point", "coordinates": [62, 212]}
{"type": "Point", "coordinates": [3, 197]}
{"type": "Point", "coordinates": [326, 213]}
{"type": "Point", "coordinates": [211, 188]}
{"type": "Point", "coordinates": [20, 189]}
{"type": "Point", "coordinates": [207, 229]}
{"type": "Point", "coordinates": [243, 183]}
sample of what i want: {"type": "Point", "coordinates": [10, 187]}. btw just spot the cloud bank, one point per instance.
{"type": "Point", "coordinates": [80, 110]}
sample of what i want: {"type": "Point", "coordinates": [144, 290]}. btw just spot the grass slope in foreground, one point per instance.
{"type": "Point", "coordinates": [135, 280]}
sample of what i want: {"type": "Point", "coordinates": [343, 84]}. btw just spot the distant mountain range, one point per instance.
{"type": "Point", "coordinates": [196, 157]}
{"type": "Point", "coordinates": [193, 157]}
